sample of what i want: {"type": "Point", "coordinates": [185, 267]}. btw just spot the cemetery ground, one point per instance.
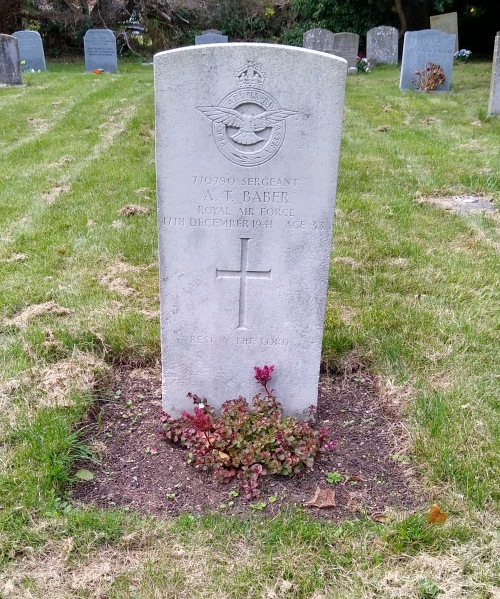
{"type": "Point", "coordinates": [411, 331]}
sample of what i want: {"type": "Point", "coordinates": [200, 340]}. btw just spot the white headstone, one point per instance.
{"type": "Point", "coordinates": [447, 22]}
{"type": "Point", "coordinates": [247, 142]}
{"type": "Point", "coordinates": [100, 50]}
{"type": "Point", "coordinates": [318, 39]}
{"type": "Point", "coordinates": [382, 44]}
{"type": "Point", "coordinates": [494, 103]}
{"type": "Point", "coordinates": [31, 50]}
{"type": "Point", "coordinates": [209, 37]}
{"type": "Point", "coordinates": [346, 45]}
{"type": "Point", "coordinates": [10, 63]}
{"type": "Point", "coordinates": [426, 47]}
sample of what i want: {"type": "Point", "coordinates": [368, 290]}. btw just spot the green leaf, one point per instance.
{"type": "Point", "coordinates": [84, 474]}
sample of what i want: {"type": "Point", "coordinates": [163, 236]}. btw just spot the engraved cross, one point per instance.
{"type": "Point", "coordinates": [243, 275]}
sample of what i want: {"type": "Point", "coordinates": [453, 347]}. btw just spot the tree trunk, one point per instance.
{"type": "Point", "coordinates": [10, 16]}
{"type": "Point", "coordinates": [413, 15]}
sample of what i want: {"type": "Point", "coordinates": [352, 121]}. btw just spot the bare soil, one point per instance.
{"type": "Point", "coordinates": [139, 469]}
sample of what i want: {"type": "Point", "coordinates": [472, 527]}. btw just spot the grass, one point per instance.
{"type": "Point", "coordinates": [413, 291]}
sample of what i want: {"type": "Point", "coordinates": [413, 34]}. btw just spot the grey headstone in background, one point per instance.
{"type": "Point", "coordinates": [318, 39]}
{"type": "Point", "coordinates": [346, 45]}
{"type": "Point", "coordinates": [212, 31]}
{"type": "Point", "coordinates": [494, 102]}
{"type": "Point", "coordinates": [31, 50]}
{"type": "Point", "coordinates": [448, 23]}
{"type": "Point", "coordinates": [424, 47]}
{"type": "Point", "coordinates": [210, 38]}
{"type": "Point", "coordinates": [382, 44]}
{"type": "Point", "coordinates": [10, 63]}
{"type": "Point", "coordinates": [100, 50]}
{"type": "Point", "coordinates": [247, 142]}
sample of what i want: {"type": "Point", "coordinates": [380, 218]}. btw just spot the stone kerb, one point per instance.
{"type": "Point", "coordinates": [494, 101]}
{"type": "Point", "coordinates": [31, 50]}
{"type": "Point", "coordinates": [100, 50]}
{"type": "Point", "coordinates": [423, 47]}
{"type": "Point", "coordinates": [247, 142]}
{"type": "Point", "coordinates": [382, 44]}
{"type": "Point", "coordinates": [10, 62]}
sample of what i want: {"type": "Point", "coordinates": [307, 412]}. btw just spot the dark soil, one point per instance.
{"type": "Point", "coordinates": [139, 469]}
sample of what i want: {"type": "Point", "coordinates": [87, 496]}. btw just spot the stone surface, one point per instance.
{"type": "Point", "coordinates": [10, 63]}
{"type": "Point", "coordinates": [494, 102]}
{"type": "Point", "coordinates": [31, 50]}
{"type": "Point", "coordinates": [210, 37]}
{"type": "Point", "coordinates": [346, 45]}
{"type": "Point", "coordinates": [382, 44]}
{"type": "Point", "coordinates": [448, 23]}
{"type": "Point", "coordinates": [424, 47]}
{"type": "Point", "coordinates": [247, 145]}
{"type": "Point", "coordinates": [318, 39]}
{"type": "Point", "coordinates": [100, 50]}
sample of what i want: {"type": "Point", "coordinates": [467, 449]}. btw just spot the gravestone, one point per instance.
{"type": "Point", "coordinates": [10, 63]}
{"type": "Point", "coordinates": [423, 47]}
{"type": "Point", "coordinates": [494, 102]}
{"type": "Point", "coordinates": [100, 50]}
{"type": "Point", "coordinates": [31, 50]}
{"type": "Point", "coordinates": [318, 39]}
{"type": "Point", "coordinates": [247, 142]}
{"type": "Point", "coordinates": [382, 45]}
{"type": "Point", "coordinates": [211, 36]}
{"type": "Point", "coordinates": [448, 23]}
{"type": "Point", "coordinates": [346, 45]}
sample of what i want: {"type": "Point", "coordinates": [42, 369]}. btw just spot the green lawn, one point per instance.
{"type": "Point", "coordinates": [413, 292]}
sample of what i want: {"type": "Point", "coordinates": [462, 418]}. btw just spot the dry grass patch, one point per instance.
{"type": "Point", "coordinates": [114, 281]}
{"type": "Point", "coordinates": [14, 258]}
{"type": "Point", "coordinates": [347, 260]}
{"type": "Point", "coordinates": [22, 319]}
{"type": "Point", "coordinates": [133, 209]}
{"type": "Point", "coordinates": [51, 196]}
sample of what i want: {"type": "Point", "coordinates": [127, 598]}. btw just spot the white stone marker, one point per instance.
{"type": "Point", "coordinates": [31, 50]}
{"type": "Point", "coordinates": [100, 50]}
{"type": "Point", "coordinates": [247, 151]}
{"type": "Point", "coordinates": [494, 103]}
{"type": "Point", "coordinates": [447, 22]}
{"type": "Point", "coordinates": [382, 44]}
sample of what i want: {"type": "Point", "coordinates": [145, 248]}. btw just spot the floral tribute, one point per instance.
{"type": "Point", "coordinates": [247, 442]}
{"type": "Point", "coordinates": [430, 78]}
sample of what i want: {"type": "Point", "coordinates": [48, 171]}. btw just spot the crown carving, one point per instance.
{"type": "Point", "coordinates": [251, 75]}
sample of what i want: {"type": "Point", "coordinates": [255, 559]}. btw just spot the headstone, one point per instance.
{"type": "Point", "coordinates": [318, 39]}
{"type": "Point", "coordinates": [494, 103]}
{"type": "Point", "coordinates": [247, 142]}
{"type": "Point", "coordinates": [100, 50]}
{"type": "Point", "coordinates": [10, 63]}
{"type": "Point", "coordinates": [382, 45]}
{"type": "Point", "coordinates": [422, 48]}
{"type": "Point", "coordinates": [346, 45]}
{"type": "Point", "coordinates": [31, 50]}
{"type": "Point", "coordinates": [210, 37]}
{"type": "Point", "coordinates": [448, 23]}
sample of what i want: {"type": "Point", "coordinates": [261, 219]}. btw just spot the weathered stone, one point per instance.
{"type": "Point", "coordinates": [210, 37]}
{"type": "Point", "coordinates": [422, 48]}
{"type": "Point", "coordinates": [100, 50]}
{"type": "Point", "coordinates": [248, 139]}
{"type": "Point", "coordinates": [318, 39]}
{"type": "Point", "coordinates": [10, 63]}
{"type": "Point", "coordinates": [382, 45]}
{"type": "Point", "coordinates": [494, 102]}
{"type": "Point", "coordinates": [448, 23]}
{"type": "Point", "coordinates": [30, 50]}
{"type": "Point", "coordinates": [346, 45]}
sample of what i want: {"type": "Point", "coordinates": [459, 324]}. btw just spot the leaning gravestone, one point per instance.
{"type": "Point", "coordinates": [10, 63]}
{"type": "Point", "coordinates": [494, 103]}
{"type": "Point", "coordinates": [422, 48]}
{"type": "Point", "coordinates": [346, 45]}
{"type": "Point", "coordinates": [382, 45]}
{"type": "Point", "coordinates": [31, 50]}
{"type": "Point", "coordinates": [448, 23]}
{"type": "Point", "coordinates": [100, 50]}
{"type": "Point", "coordinates": [247, 144]}
{"type": "Point", "coordinates": [210, 37]}
{"type": "Point", "coordinates": [318, 39]}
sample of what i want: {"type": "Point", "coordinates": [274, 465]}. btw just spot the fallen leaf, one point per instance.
{"type": "Point", "coordinates": [435, 515]}
{"type": "Point", "coordinates": [322, 498]}
{"type": "Point", "coordinates": [382, 518]}
{"type": "Point", "coordinates": [223, 455]}
{"type": "Point", "coordinates": [354, 478]}
{"type": "Point", "coordinates": [84, 474]}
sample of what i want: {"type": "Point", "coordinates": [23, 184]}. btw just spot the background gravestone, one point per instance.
{"type": "Point", "coordinates": [31, 50]}
{"type": "Point", "coordinates": [210, 38]}
{"type": "Point", "coordinates": [382, 44]}
{"type": "Point", "coordinates": [318, 39]}
{"type": "Point", "coordinates": [247, 142]}
{"type": "Point", "coordinates": [448, 23]}
{"type": "Point", "coordinates": [346, 45]}
{"type": "Point", "coordinates": [10, 63]}
{"type": "Point", "coordinates": [423, 47]}
{"type": "Point", "coordinates": [494, 102]}
{"type": "Point", "coordinates": [100, 50]}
